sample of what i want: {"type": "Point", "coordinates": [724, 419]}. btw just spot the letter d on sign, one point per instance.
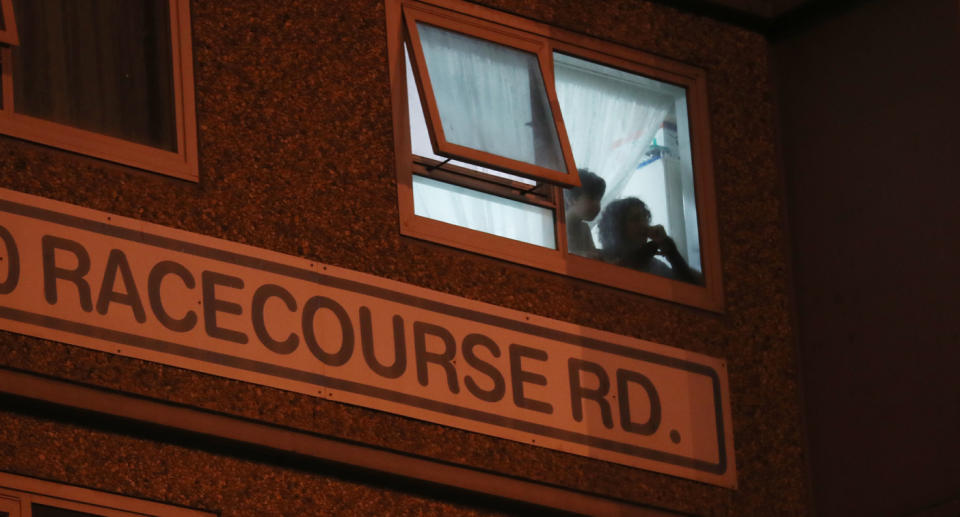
{"type": "Point", "coordinates": [624, 378]}
{"type": "Point", "coordinates": [13, 262]}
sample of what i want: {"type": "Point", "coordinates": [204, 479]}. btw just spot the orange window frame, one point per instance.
{"type": "Point", "coordinates": [182, 163]}
{"type": "Point", "coordinates": [707, 296]}
{"type": "Point", "coordinates": [414, 13]}
{"type": "Point", "coordinates": [8, 34]}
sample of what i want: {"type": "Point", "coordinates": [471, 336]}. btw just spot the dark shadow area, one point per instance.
{"type": "Point", "coordinates": [869, 110]}
{"type": "Point", "coordinates": [265, 455]}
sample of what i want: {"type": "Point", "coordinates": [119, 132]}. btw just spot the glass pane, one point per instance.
{"type": "Point", "coordinates": [40, 510]}
{"type": "Point", "coordinates": [630, 136]}
{"type": "Point", "coordinates": [483, 212]}
{"type": "Point", "coordinates": [100, 65]}
{"type": "Point", "coordinates": [420, 136]}
{"type": "Point", "coordinates": [491, 97]}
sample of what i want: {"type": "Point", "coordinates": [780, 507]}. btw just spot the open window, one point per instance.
{"type": "Point", "coordinates": [488, 96]}
{"type": "Point", "coordinates": [107, 79]}
{"type": "Point", "coordinates": [491, 113]}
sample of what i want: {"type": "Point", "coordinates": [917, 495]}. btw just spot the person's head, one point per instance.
{"type": "Point", "coordinates": [583, 202]}
{"type": "Point", "coordinates": [624, 222]}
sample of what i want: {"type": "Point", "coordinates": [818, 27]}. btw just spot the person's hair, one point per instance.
{"type": "Point", "coordinates": [590, 185]}
{"type": "Point", "coordinates": [613, 221]}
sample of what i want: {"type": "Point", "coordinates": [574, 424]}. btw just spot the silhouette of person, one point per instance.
{"type": "Point", "coordinates": [582, 204]}
{"type": "Point", "coordinates": [629, 240]}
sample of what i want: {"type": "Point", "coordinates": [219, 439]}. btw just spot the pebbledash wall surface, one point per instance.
{"type": "Point", "coordinates": [296, 156]}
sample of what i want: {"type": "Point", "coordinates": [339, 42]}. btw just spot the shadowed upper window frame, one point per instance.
{"type": "Point", "coordinates": [180, 163]}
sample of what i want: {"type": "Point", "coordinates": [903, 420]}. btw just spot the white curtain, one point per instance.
{"type": "Point", "coordinates": [490, 97]}
{"type": "Point", "coordinates": [611, 117]}
{"type": "Point", "coordinates": [484, 212]}
{"type": "Point", "coordinates": [420, 137]}
{"type": "Point", "coordinates": [470, 208]}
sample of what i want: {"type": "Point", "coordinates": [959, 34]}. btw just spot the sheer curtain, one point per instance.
{"type": "Point", "coordinates": [611, 117]}
{"type": "Point", "coordinates": [470, 208]}
{"type": "Point", "coordinates": [488, 99]}
{"type": "Point", "coordinates": [483, 212]}
{"type": "Point", "coordinates": [491, 97]}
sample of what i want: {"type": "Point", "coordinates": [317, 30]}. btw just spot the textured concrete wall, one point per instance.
{"type": "Point", "coordinates": [296, 155]}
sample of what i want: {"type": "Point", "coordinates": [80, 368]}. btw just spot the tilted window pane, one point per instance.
{"type": "Point", "coordinates": [483, 212]}
{"type": "Point", "coordinates": [420, 136]}
{"type": "Point", "coordinates": [633, 133]}
{"type": "Point", "coordinates": [100, 65]}
{"type": "Point", "coordinates": [491, 97]}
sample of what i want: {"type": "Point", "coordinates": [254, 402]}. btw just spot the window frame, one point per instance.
{"type": "Point", "coordinates": [8, 35]}
{"type": "Point", "coordinates": [21, 492]}
{"type": "Point", "coordinates": [507, 37]}
{"type": "Point", "coordinates": [182, 163]}
{"type": "Point", "coordinates": [708, 296]}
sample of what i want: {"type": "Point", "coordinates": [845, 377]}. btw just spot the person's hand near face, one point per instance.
{"type": "Point", "coordinates": [657, 234]}
{"type": "Point", "coordinates": [665, 245]}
